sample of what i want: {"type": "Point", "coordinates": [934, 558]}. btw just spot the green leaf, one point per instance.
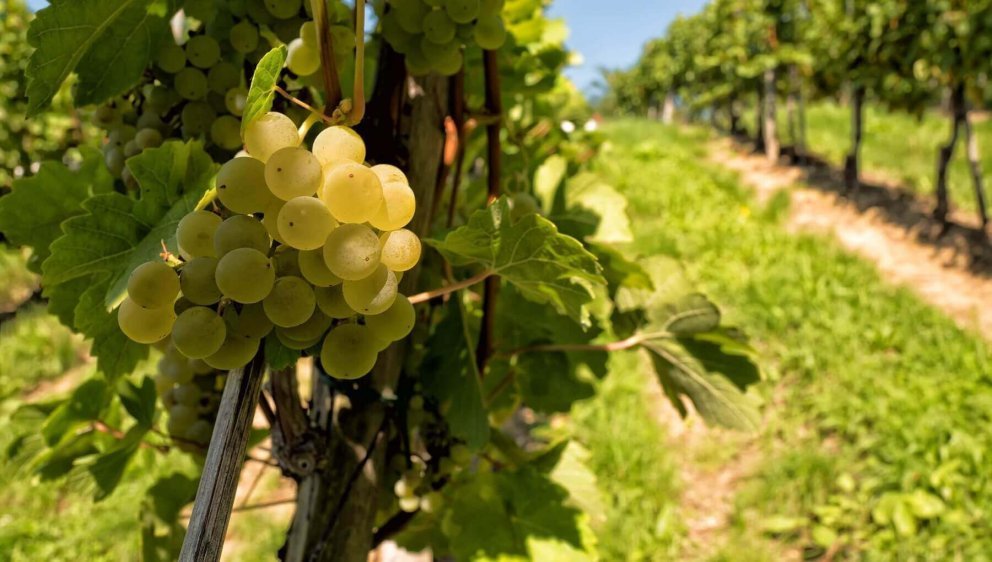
{"type": "Point", "coordinates": [116, 354]}
{"type": "Point", "coordinates": [547, 178]}
{"type": "Point", "coordinates": [108, 468]}
{"type": "Point", "coordinates": [547, 383]}
{"type": "Point", "coordinates": [279, 356]}
{"type": "Point", "coordinates": [262, 88]}
{"type": "Point", "coordinates": [33, 212]}
{"type": "Point", "coordinates": [572, 473]}
{"type": "Point", "coordinates": [84, 405]}
{"type": "Point", "coordinates": [59, 460]}
{"type": "Point", "coordinates": [170, 494]}
{"type": "Point", "coordinates": [691, 314]}
{"type": "Point", "coordinates": [594, 211]}
{"type": "Point", "coordinates": [544, 265]}
{"type": "Point", "coordinates": [139, 401]}
{"type": "Point", "coordinates": [108, 43]}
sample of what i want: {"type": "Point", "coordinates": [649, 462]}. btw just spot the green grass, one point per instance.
{"type": "Point", "coordinates": [880, 393]}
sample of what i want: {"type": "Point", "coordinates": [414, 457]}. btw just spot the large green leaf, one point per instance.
{"type": "Point", "coordinates": [83, 405]}
{"type": "Point", "coordinates": [139, 400]}
{"type": "Point", "coordinates": [548, 383]}
{"type": "Point", "coordinates": [594, 211]}
{"type": "Point", "coordinates": [543, 264]}
{"type": "Point", "coordinates": [108, 468]}
{"type": "Point", "coordinates": [547, 178]}
{"type": "Point", "coordinates": [262, 88]}
{"type": "Point", "coordinates": [108, 43]}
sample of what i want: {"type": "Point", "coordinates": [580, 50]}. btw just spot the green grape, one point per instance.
{"type": "Point", "coordinates": [222, 77]}
{"type": "Point", "coordinates": [269, 133]}
{"type": "Point", "coordinates": [490, 33]}
{"type": "Point", "coordinates": [308, 32]}
{"type": "Point", "coordinates": [399, 38]}
{"type": "Point", "coordinates": [234, 100]}
{"type": "Point", "coordinates": [330, 301]}
{"type": "Point", "coordinates": [196, 118]}
{"type": "Point", "coordinates": [304, 223]}
{"type": "Point", "coordinates": [128, 178]}
{"type": "Point", "coordinates": [410, 14]}
{"type": "Point", "coordinates": [160, 100]}
{"type": "Point", "coordinates": [196, 279]}
{"type": "Point", "coordinates": [182, 303]}
{"type": "Point", "coordinates": [395, 323]}
{"type": "Point", "coordinates": [283, 9]}
{"type": "Point", "coordinates": [244, 37]}
{"type": "Point", "coordinates": [352, 251]}
{"type": "Point", "coordinates": [348, 352]}
{"type": "Point", "coordinates": [449, 63]}
{"type": "Point", "coordinates": [105, 115]}
{"type": "Point", "coordinates": [462, 11]}
{"type": "Point", "coordinates": [293, 172]}
{"type": "Point", "coordinates": [409, 505]}
{"type": "Point", "coordinates": [130, 149]}
{"type": "Point", "coordinates": [114, 159]}
{"type": "Point", "coordinates": [199, 367]}
{"type": "Point", "coordinates": [270, 216]}
{"type": "Point", "coordinates": [200, 432]}
{"type": "Point", "coordinates": [343, 38]}
{"type": "Point", "coordinates": [241, 185]}
{"type": "Point", "coordinates": [198, 332]}
{"type": "Point", "coordinates": [252, 321]}
{"type": "Point", "coordinates": [240, 231]}
{"type": "Point", "coordinates": [291, 343]}
{"type": "Point", "coordinates": [181, 417]}
{"type": "Point", "coordinates": [236, 351]}
{"type": "Point", "coordinates": [148, 138]}
{"type": "Point", "coordinates": [438, 27]}
{"type": "Point", "coordinates": [314, 268]}
{"type": "Point", "coordinates": [150, 120]}
{"type": "Point", "coordinates": [417, 63]}
{"type": "Point", "coordinates": [203, 10]}
{"type": "Point", "coordinates": [163, 384]}
{"type": "Point", "coordinates": [202, 51]}
{"type": "Point", "coordinates": [191, 83]}
{"type": "Point", "coordinates": [338, 144]}
{"type": "Point", "coordinates": [120, 135]}
{"type": "Point", "coordinates": [175, 367]}
{"type": "Point", "coordinates": [352, 193]}
{"type": "Point", "coordinates": [302, 59]}
{"type": "Point", "coordinates": [225, 131]}
{"type": "Point", "coordinates": [245, 275]}
{"type": "Point", "coordinates": [153, 284]}
{"type": "Point", "coordinates": [435, 3]}
{"type": "Point", "coordinates": [406, 488]}
{"type": "Point", "coordinates": [195, 233]}
{"type": "Point", "coordinates": [372, 295]}
{"type": "Point", "coordinates": [187, 394]}
{"type": "Point", "coordinates": [398, 206]}
{"type": "Point", "coordinates": [145, 325]}
{"type": "Point", "coordinates": [287, 261]}
{"type": "Point", "coordinates": [431, 502]}
{"type": "Point", "coordinates": [314, 327]}
{"type": "Point", "coordinates": [400, 249]}
{"type": "Point", "coordinates": [290, 303]}
{"type": "Point", "coordinates": [171, 57]}
{"type": "Point", "coordinates": [389, 173]}
{"type": "Point", "coordinates": [490, 8]}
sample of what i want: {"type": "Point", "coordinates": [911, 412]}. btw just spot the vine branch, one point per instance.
{"type": "Point", "coordinates": [328, 66]}
{"type": "Point", "coordinates": [448, 289]}
{"type": "Point", "coordinates": [494, 106]}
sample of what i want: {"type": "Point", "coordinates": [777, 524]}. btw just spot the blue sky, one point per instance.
{"type": "Point", "coordinates": [608, 33]}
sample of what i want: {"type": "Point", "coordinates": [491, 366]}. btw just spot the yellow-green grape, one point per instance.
{"type": "Point", "coordinates": [175, 367]}
{"type": "Point", "coordinates": [171, 57]}
{"type": "Point", "coordinates": [148, 138]}
{"type": "Point", "coordinates": [348, 352]}
{"type": "Point", "coordinates": [181, 418]}
{"type": "Point", "coordinates": [240, 231]}
{"type": "Point", "coordinates": [449, 63]}
{"type": "Point", "coordinates": [395, 323]}
{"type": "Point", "coordinates": [302, 59]}
{"type": "Point", "coordinates": [160, 100]}
{"type": "Point", "coordinates": [283, 9]}
{"type": "Point", "coordinates": [236, 351]}
{"type": "Point", "coordinates": [315, 270]}
{"type": "Point", "coordinates": [182, 303]}
{"type": "Point", "coordinates": [338, 144]}
{"type": "Point", "coordinates": [153, 284]}
{"type": "Point", "coordinates": [388, 173]}
{"type": "Point", "coordinates": [293, 172]}
{"type": "Point", "coordinates": [191, 83]}
{"type": "Point", "coordinates": [222, 77]}
{"type": "Point", "coordinates": [196, 279]}
{"type": "Point", "coordinates": [235, 99]}
{"type": "Point", "coordinates": [225, 131]}
{"type": "Point", "coordinates": [372, 295]}
{"type": "Point", "coordinates": [241, 185]}
{"type": "Point", "coordinates": [399, 38]}
{"type": "Point", "coordinates": [245, 275]}
{"type": "Point", "coordinates": [410, 14]}
{"type": "Point", "coordinates": [314, 327]}
{"type": "Point", "coordinates": [145, 325]}
{"type": "Point", "coordinates": [114, 159]}
{"type": "Point", "coordinates": [343, 38]}
{"type": "Point", "coordinates": [490, 8]}
{"type": "Point", "coordinates": [304, 223]}
{"type": "Point", "coordinates": [252, 321]}
{"type": "Point", "coordinates": [130, 149]}
{"type": "Point", "coordinates": [202, 51]}
{"type": "Point", "coordinates": [490, 33]}
{"type": "Point", "coordinates": [244, 37]}
{"type": "Point", "coordinates": [200, 432]}
{"type": "Point", "coordinates": [270, 217]}
{"type": "Point", "coordinates": [287, 262]}
{"type": "Point", "coordinates": [462, 11]}
{"type": "Point", "coordinates": [431, 502]}
{"type": "Point", "coordinates": [352, 192]}
{"type": "Point", "coordinates": [398, 206]}
{"type": "Point", "coordinates": [120, 135]}
{"type": "Point", "coordinates": [290, 303]}
{"type": "Point", "coordinates": [203, 10]}
{"type": "Point", "coordinates": [199, 367]}
{"type": "Point", "coordinates": [400, 249]}
{"type": "Point", "coordinates": [438, 27]}
{"type": "Point", "coordinates": [195, 233]}
{"type": "Point", "coordinates": [330, 301]}
{"type": "Point", "coordinates": [352, 251]}
{"type": "Point", "coordinates": [269, 133]}
{"type": "Point", "coordinates": [308, 33]}
{"type": "Point", "coordinates": [196, 118]}
{"type": "Point", "coordinates": [198, 332]}
{"type": "Point", "coordinates": [292, 343]}
{"type": "Point", "coordinates": [417, 63]}
{"type": "Point", "coordinates": [410, 504]}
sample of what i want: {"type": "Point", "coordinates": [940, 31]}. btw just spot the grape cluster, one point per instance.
{"type": "Point", "coordinates": [431, 33]}
{"type": "Point", "coordinates": [418, 483]}
{"type": "Point", "coordinates": [321, 266]}
{"type": "Point", "coordinates": [190, 390]}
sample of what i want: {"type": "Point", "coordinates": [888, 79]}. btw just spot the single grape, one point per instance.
{"type": "Point", "coordinates": [196, 118]}
{"type": "Point", "coordinates": [270, 216]}
{"type": "Point", "coordinates": [410, 14]}
{"type": "Point", "coordinates": [181, 418]}
{"type": "Point", "coordinates": [462, 11]}
{"type": "Point", "coordinates": [245, 275]}
{"type": "Point", "coordinates": [449, 63]}
{"type": "Point", "coordinates": [244, 37]}
{"type": "Point", "coordinates": [225, 131]}
{"type": "Point", "coordinates": [241, 185]}
{"type": "Point", "coordinates": [153, 284]}
{"type": "Point", "coordinates": [200, 432]}
{"type": "Point", "coordinates": [203, 10]}
{"type": "Point", "coordinates": [160, 100]}
{"type": "Point", "coordinates": [417, 63]}
{"type": "Point", "coordinates": [304, 223]}
{"type": "Point", "coordinates": [388, 173]}
{"type": "Point", "coordinates": [490, 33]}
{"type": "Point", "coordinates": [269, 133]}
{"type": "Point", "coordinates": [431, 502]}
{"type": "Point", "coordinates": [240, 231]}
{"type": "Point", "coordinates": [290, 303]}
{"type": "Point", "coordinates": [438, 27]}
{"type": "Point", "coordinates": [145, 325]}
{"type": "Point", "coordinates": [222, 77]}
{"type": "Point", "coordinates": [236, 351]}
{"type": "Point", "coordinates": [348, 352]}
{"type": "Point", "coordinates": [283, 9]}
{"type": "Point", "coordinates": [171, 57]}
{"type": "Point", "coordinates": [314, 327]}
{"type": "Point", "coordinates": [330, 301]}
{"type": "Point", "coordinates": [191, 83]}
{"type": "Point", "coordinates": [372, 295]}
{"type": "Point", "coordinates": [395, 323]}
{"type": "Point", "coordinates": [302, 59]}
{"type": "Point", "coordinates": [198, 332]}
{"type": "Point", "coordinates": [490, 7]}
{"type": "Point", "coordinates": [308, 33]}
{"type": "Point", "coordinates": [287, 261]}
{"type": "Point", "coordinates": [292, 343]}
{"type": "Point", "coordinates": [119, 136]}
{"type": "Point", "coordinates": [202, 51]}
{"type": "Point", "coordinates": [338, 144]}
{"type": "Point", "coordinates": [234, 100]}
{"type": "Point", "coordinates": [175, 366]}
{"type": "Point", "coordinates": [399, 38]}
{"type": "Point", "coordinates": [148, 138]}
{"type": "Point", "coordinates": [352, 192]}
{"type": "Point", "coordinates": [252, 321]}
{"type": "Point", "coordinates": [400, 249]}
{"type": "Point", "coordinates": [352, 251]}
{"type": "Point", "coordinates": [398, 207]}
{"type": "Point", "coordinates": [130, 149]}
{"type": "Point", "coordinates": [314, 268]}
{"type": "Point", "coordinates": [114, 159]}
{"type": "Point", "coordinates": [196, 279]}
{"type": "Point", "coordinates": [195, 233]}
{"type": "Point", "coordinates": [293, 172]}
{"type": "Point", "coordinates": [199, 367]}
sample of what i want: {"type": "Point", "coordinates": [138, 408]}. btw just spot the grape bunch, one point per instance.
{"type": "Point", "coordinates": [418, 483]}
{"type": "Point", "coordinates": [308, 247]}
{"type": "Point", "coordinates": [190, 390]}
{"type": "Point", "coordinates": [431, 33]}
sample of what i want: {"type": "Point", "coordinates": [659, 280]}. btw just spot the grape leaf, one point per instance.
{"type": "Point", "coordinates": [83, 405]}
{"type": "Point", "coordinates": [544, 265]}
{"type": "Point", "coordinates": [139, 401]}
{"type": "Point", "coordinates": [594, 211]}
{"type": "Point", "coordinates": [262, 88]}
{"type": "Point", "coordinates": [108, 468]}
{"type": "Point", "coordinates": [32, 214]}
{"type": "Point", "coordinates": [278, 356]}
{"type": "Point", "coordinates": [108, 43]}
{"type": "Point", "coordinates": [547, 178]}
{"type": "Point", "coordinates": [548, 383]}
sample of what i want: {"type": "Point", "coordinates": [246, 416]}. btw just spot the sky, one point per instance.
{"type": "Point", "coordinates": [608, 33]}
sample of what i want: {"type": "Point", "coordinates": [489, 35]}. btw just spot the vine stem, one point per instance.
{"type": "Point", "coordinates": [448, 289]}
{"type": "Point", "coordinates": [619, 345]}
{"type": "Point", "coordinates": [494, 106]}
{"type": "Point", "coordinates": [358, 88]}
{"type": "Point", "coordinates": [332, 86]}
